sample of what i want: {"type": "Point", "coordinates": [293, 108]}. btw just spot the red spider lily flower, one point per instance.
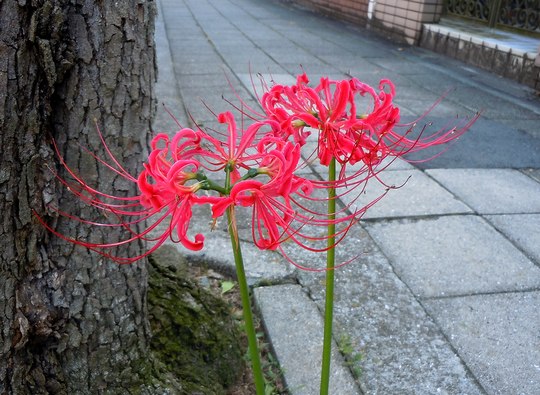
{"type": "Point", "coordinates": [331, 110]}
{"type": "Point", "coordinates": [171, 188]}
{"type": "Point", "coordinates": [167, 184]}
{"type": "Point", "coordinates": [163, 209]}
{"type": "Point", "coordinates": [293, 107]}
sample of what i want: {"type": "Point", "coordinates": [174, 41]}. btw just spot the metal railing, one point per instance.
{"type": "Point", "coordinates": [515, 14]}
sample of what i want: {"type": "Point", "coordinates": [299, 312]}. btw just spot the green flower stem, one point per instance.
{"type": "Point", "coordinates": [330, 262]}
{"type": "Point", "coordinates": [246, 304]}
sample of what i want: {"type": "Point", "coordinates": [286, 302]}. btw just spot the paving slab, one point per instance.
{"type": "Point", "coordinates": [485, 145]}
{"type": "Point", "coordinates": [412, 193]}
{"type": "Point", "coordinates": [491, 191]}
{"type": "Point", "coordinates": [296, 328]}
{"type": "Point", "coordinates": [522, 229]}
{"type": "Point", "coordinates": [499, 107]}
{"type": "Point", "coordinates": [453, 255]}
{"type": "Point", "coordinates": [498, 336]}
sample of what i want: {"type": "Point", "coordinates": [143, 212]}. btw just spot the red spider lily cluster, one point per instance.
{"type": "Point", "coordinates": [263, 166]}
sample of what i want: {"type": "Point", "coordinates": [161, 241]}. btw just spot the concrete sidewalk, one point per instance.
{"type": "Point", "coordinates": [445, 296]}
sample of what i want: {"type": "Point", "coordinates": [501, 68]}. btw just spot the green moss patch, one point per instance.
{"type": "Point", "coordinates": [194, 334]}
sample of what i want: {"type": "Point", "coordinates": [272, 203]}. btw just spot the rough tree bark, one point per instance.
{"type": "Point", "coordinates": [70, 322]}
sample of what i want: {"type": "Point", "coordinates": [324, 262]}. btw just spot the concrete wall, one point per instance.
{"type": "Point", "coordinates": [399, 19]}
{"type": "Point", "coordinates": [403, 20]}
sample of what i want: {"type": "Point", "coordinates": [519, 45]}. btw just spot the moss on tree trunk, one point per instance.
{"type": "Point", "coordinates": [194, 335]}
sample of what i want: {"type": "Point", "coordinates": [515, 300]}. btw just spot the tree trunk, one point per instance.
{"type": "Point", "coordinates": [70, 320]}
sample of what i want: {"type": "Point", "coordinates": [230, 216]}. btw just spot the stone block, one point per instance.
{"type": "Point", "coordinates": [295, 328]}
{"type": "Point", "coordinates": [454, 255]}
{"type": "Point", "coordinates": [414, 195]}
{"type": "Point", "coordinates": [492, 191]}
{"type": "Point", "coordinates": [497, 336]}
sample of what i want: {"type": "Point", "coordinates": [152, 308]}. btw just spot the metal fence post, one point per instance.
{"type": "Point", "coordinates": [494, 12]}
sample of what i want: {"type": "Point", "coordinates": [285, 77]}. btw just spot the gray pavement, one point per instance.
{"type": "Point", "coordinates": [444, 297]}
